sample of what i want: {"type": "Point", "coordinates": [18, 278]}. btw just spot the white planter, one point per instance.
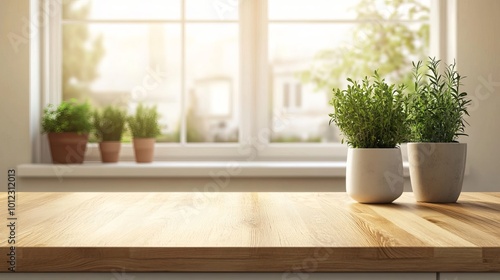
{"type": "Point", "coordinates": [374, 175]}
{"type": "Point", "coordinates": [437, 170]}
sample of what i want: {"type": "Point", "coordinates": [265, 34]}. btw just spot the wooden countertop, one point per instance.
{"type": "Point", "coordinates": [240, 232]}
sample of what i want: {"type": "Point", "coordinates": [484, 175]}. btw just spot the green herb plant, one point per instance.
{"type": "Point", "coordinates": [144, 124]}
{"type": "Point", "coordinates": [69, 116]}
{"type": "Point", "coordinates": [109, 123]}
{"type": "Point", "coordinates": [371, 113]}
{"type": "Point", "coordinates": [436, 106]}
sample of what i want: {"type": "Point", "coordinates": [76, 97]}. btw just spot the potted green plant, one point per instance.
{"type": "Point", "coordinates": [372, 118]}
{"type": "Point", "coordinates": [68, 126]}
{"type": "Point", "coordinates": [437, 110]}
{"type": "Point", "coordinates": [144, 127]}
{"type": "Point", "coordinates": [109, 125]}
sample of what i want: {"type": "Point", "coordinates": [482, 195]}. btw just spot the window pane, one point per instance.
{"type": "Point", "coordinates": [352, 9]}
{"type": "Point", "coordinates": [122, 9]}
{"type": "Point", "coordinates": [319, 57]}
{"type": "Point", "coordinates": [212, 9]}
{"type": "Point", "coordinates": [124, 65]}
{"type": "Point", "coordinates": [291, 49]}
{"type": "Point", "coordinates": [212, 82]}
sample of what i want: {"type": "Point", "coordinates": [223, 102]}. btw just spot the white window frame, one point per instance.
{"type": "Point", "coordinates": [255, 131]}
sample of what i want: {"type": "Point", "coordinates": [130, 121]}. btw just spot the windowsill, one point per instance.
{"type": "Point", "coordinates": [274, 169]}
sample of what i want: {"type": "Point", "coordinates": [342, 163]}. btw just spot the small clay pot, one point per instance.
{"type": "Point", "coordinates": [144, 149]}
{"type": "Point", "coordinates": [110, 151]}
{"type": "Point", "coordinates": [68, 147]}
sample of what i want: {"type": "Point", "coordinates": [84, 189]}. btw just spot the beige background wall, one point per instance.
{"type": "Point", "coordinates": [478, 57]}
{"type": "Point", "coordinates": [15, 147]}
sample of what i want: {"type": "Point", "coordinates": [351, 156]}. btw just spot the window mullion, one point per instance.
{"type": "Point", "coordinates": [262, 131]}
{"type": "Point", "coordinates": [438, 30]}
{"type": "Point", "coordinates": [247, 65]}
{"type": "Point", "coordinates": [51, 64]}
{"type": "Point", "coordinates": [254, 105]}
{"type": "Point", "coordinates": [184, 101]}
{"type": "Point", "coordinates": [53, 52]}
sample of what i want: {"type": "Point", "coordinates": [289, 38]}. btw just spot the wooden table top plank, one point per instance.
{"type": "Point", "coordinates": [326, 229]}
{"type": "Point", "coordinates": [430, 233]}
{"type": "Point", "coordinates": [120, 214]}
{"type": "Point", "coordinates": [473, 214]}
{"type": "Point", "coordinates": [252, 232]}
{"type": "Point", "coordinates": [390, 233]}
{"type": "Point", "coordinates": [267, 216]}
{"type": "Point", "coordinates": [465, 229]}
{"type": "Point", "coordinates": [66, 224]}
{"type": "Point", "coordinates": [354, 226]}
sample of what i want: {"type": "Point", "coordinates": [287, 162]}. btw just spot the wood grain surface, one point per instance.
{"type": "Point", "coordinates": [240, 232]}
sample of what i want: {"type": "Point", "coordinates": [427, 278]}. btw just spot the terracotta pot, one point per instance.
{"type": "Point", "coordinates": [144, 149]}
{"type": "Point", "coordinates": [374, 175]}
{"type": "Point", "coordinates": [110, 151]}
{"type": "Point", "coordinates": [68, 147]}
{"type": "Point", "coordinates": [437, 171]}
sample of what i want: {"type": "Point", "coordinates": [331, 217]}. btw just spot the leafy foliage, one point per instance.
{"type": "Point", "coordinates": [144, 124]}
{"type": "Point", "coordinates": [371, 113]}
{"type": "Point", "coordinates": [375, 44]}
{"type": "Point", "coordinates": [437, 107]}
{"type": "Point", "coordinates": [109, 123]}
{"type": "Point", "coordinates": [69, 116]}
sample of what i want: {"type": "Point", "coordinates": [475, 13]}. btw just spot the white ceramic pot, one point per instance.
{"type": "Point", "coordinates": [437, 170]}
{"type": "Point", "coordinates": [374, 175]}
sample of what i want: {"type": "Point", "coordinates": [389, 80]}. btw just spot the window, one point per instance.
{"type": "Point", "coordinates": [232, 79]}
